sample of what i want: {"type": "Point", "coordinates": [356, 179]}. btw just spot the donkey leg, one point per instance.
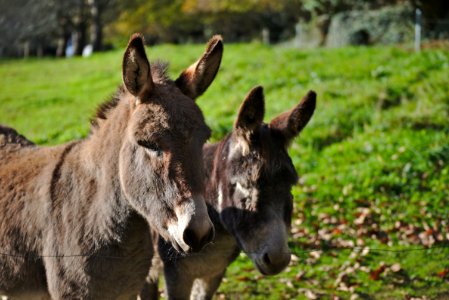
{"type": "Point", "coordinates": [61, 280]}
{"type": "Point", "coordinates": [177, 284]}
{"type": "Point", "coordinates": [205, 288]}
{"type": "Point", "coordinates": [150, 290]}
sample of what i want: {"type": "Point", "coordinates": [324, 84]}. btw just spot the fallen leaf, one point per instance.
{"type": "Point", "coordinates": [375, 275]}
{"type": "Point", "coordinates": [443, 273]}
{"type": "Point", "coordinates": [310, 295]}
{"type": "Point", "coordinates": [300, 275]}
{"type": "Point", "coordinates": [395, 267]}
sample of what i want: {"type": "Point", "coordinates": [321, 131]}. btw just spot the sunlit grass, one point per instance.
{"type": "Point", "coordinates": [378, 141]}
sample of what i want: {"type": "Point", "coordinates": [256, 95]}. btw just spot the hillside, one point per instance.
{"type": "Point", "coordinates": [373, 161]}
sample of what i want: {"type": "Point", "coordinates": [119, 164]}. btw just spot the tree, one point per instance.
{"type": "Point", "coordinates": [35, 27]}
{"type": "Point", "coordinates": [98, 8]}
{"type": "Point", "coordinates": [22, 28]}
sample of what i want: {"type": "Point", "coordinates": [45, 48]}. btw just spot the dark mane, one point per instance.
{"type": "Point", "coordinates": [158, 73]}
{"type": "Point", "coordinates": [105, 107]}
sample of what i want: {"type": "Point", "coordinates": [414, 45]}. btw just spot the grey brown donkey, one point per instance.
{"type": "Point", "coordinates": [74, 218]}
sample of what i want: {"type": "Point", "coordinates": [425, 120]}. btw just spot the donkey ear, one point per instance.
{"type": "Point", "coordinates": [136, 68]}
{"type": "Point", "coordinates": [290, 123]}
{"type": "Point", "coordinates": [251, 112]}
{"type": "Point", "coordinates": [196, 79]}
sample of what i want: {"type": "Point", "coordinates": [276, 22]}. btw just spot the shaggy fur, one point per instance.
{"type": "Point", "coordinates": [74, 218]}
{"type": "Point", "coordinates": [249, 179]}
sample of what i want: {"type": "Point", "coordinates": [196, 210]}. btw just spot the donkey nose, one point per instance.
{"type": "Point", "coordinates": [198, 234]}
{"type": "Point", "coordinates": [275, 262]}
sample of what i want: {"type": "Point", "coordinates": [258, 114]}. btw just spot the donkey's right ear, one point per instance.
{"type": "Point", "coordinates": [136, 68]}
{"type": "Point", "coordinates": [292, 122]}
{"type": "Point", "coordinates": [251, 113]}
{"type": "Point", "coordinates": [195, 80]}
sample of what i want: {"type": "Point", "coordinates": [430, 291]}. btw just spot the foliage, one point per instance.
{"type": "Point", "coordinates": [184, 20]}
{"type": "Point", "coordinates": [374, 160]}
{"type": "Point", "coordinates": [46, 26]}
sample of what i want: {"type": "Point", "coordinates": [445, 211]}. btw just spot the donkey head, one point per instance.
{"type": "Point", "coordinates": [161, 168]}
{"type": "Point", "coordinates": [254, 188]}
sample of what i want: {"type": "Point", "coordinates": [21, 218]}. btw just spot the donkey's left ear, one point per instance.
{"type": "Point", "coordinates": [292, 122]}
{"type": "Point", "coordinates": [195, 80]}
{"type": "Point", "coordinates": [136, 68]}
{"type": "Point", "coordinates": [251, 113]}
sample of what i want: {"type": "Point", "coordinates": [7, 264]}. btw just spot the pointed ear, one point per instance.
{"type": "Point", "coordinates": [196, 79]}
{"type": "Point", "coordinates": [290, 123]}
{"type": "Point", "coordinates": [136, 68]}
{"type": "Point", "coordinates": [251, 113]}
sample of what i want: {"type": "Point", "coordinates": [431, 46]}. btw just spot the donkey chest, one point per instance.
{"type": "Point", "coordinates": [125, 262]}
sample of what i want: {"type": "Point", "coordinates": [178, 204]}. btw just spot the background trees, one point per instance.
{"type": "Point", "coordinates": [42, 27]}
{"type": "Point", "coordinates": [30, 27]}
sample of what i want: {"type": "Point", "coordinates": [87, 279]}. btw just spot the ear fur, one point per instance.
{"type": "Point", "coordinates": [136, 68]}
{"type": "Point", "coordinates": [251, 113]}
{"type": "Point", "coordinates": [292, 122]}
{"type": "Point", "coordinates": [195, 80]}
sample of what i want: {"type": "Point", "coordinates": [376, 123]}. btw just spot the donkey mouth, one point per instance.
{"type": "Point", "coordinates": [180, 247]}
{"type": "Point", "coordinates": [268, 270]}
{"type": "Point", "coordinates": [264, 269]}
{"type": "Point", "coordinates": [268, 267]}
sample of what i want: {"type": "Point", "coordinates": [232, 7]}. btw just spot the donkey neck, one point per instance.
{"type": "Point", "coordinates": [98, 158]}
{"type": "Point", "coordinates": [102, 148]}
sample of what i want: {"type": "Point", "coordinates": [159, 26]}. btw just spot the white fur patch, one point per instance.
{"type": "Point", "coordinates": [239, 146]}
{"type": "Point", "coordinates": [176, 230]}
{"type": "Point", "coordinates": [220, 197]}
{"type": "Point", "coordinates": [244, 191]}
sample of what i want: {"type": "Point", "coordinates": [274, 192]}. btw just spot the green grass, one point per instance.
{"type": "Point", "coordinates": [373, 161]}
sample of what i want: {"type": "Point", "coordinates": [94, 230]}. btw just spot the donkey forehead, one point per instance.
{"type": "Point", "coordinates": [174, 117]}
{"type": "Point", "coordinates": [265, 158]}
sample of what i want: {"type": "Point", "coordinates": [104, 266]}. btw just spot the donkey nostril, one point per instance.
{"type": "Point", "coordinates": [189, 237]}
{"type": "Point", "coordinates": [266, 259]}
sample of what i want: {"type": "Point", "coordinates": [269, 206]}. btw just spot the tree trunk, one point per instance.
{"type": "Point", "coordinates": [79, 35]}
{"type": "Point", "coordinates": [26, 49]}
{"type": "Point", "coordinates": [79, 38]}
{"type": "Point", "coordinates": [40, 50]}
{"type": "Point", "coordinates": [96, 27]}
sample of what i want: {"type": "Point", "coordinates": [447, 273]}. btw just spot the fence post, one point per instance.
{"type": "Point", "coordinates": [265, 36]}
{"type": "Point", "coordinates": [298, 35]}
{"type": "Point", "coordinates": [417, 30]}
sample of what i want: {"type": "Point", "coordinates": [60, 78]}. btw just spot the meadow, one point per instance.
{"type": "Point", "coordinates": [371, 216]}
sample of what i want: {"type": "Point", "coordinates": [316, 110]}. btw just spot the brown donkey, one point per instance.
{"type": "Point", "coordinates": [74, 218]}
{"type": "Point", "coordinates": [249, 178]}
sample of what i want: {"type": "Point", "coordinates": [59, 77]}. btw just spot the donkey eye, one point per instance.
{"type": "Point", "coordinates": [151, 147]}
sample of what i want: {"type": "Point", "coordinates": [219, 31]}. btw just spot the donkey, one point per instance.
{"type": "Point", "coordinates": [74, 218]}
{"type": "Point", "coordinates": [248, 191]}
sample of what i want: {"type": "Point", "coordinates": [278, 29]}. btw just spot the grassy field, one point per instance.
{"type": "Point", "coordinates": [373, 161]}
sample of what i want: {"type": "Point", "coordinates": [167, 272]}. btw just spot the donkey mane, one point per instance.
{"type": "Point", "coordinates": [159, 75]}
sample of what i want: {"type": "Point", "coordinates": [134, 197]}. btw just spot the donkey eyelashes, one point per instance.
{"type": "Point", "coordinates": [153, 147]}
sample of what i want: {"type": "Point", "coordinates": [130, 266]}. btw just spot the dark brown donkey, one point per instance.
{"type": "Point", "coordinates": [74, 218]}
{"type": "Point", "coordinates": [249, 179]}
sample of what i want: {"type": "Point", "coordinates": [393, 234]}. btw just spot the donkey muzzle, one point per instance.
{"type": "Point", "coordinates": [194, 228]}
{"type": "Point", "coordinates": [272, 262]}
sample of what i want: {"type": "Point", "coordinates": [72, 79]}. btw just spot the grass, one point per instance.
{"type": "Point", "coordinates": [373, 161]}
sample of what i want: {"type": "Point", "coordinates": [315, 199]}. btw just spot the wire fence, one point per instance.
{"type": "Point", "coordinates": [296, 252]}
